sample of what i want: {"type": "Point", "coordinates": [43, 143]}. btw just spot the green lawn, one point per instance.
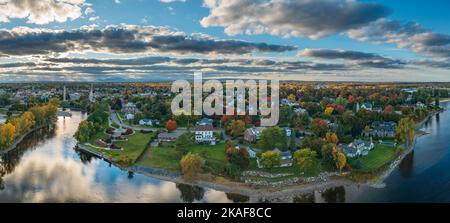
{"type": "Point", "coordinates": [162, 157]}
{"type": "Point", "coordinates": [377, 158]}
{"type": "Point", "coordinates": [131, 149]}
{"type": "Point", "coordinates": [168, 158]}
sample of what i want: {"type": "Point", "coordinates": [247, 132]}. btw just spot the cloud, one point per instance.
{"type": "Point", "coordinates": [88, 11]}
{"type": "Point", "coordinates": [93, 19]}
{"type": "Point", "coordinates": [117, 1]}
{"type": "Point", "coordinates": [21, 41]}
{"type": "Point", "coordinates": [405, 35]}
{"type": "Point", "coordinates": [312, 19]}
{"type": "Point", "coordinates": [42, 11]}
{"type": "Point", "coordinates": [359, 58]}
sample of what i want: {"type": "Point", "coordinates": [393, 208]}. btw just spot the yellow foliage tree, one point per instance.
{"type": "Point", "coordinates": [329, 110]}
{"type": "Point", "coordinates": [291, 97]}
{"type": "Point", "coordinates": [341, 161]}
{"type": "Point", "coordinates": [7, 134]}
{"type": "Point", "coordinates": [191, 164]}
{"type": "Point", "coordinates": [331, 137]}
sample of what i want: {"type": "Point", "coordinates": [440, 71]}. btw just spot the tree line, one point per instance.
{"type": "Point", "coordinates": [22, 124]}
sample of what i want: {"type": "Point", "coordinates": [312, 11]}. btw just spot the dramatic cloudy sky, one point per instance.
{"type": "Point", "coordinates": [139, 40]}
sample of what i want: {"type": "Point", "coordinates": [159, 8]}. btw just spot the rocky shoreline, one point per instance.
{"type": "Point", "coordinates": [281, 191]}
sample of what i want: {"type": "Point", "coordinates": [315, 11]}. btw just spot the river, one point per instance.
{"type": "Point", "coordinates": [46, 168]}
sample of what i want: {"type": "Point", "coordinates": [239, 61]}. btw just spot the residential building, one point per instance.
{"type": "Point", "coordinates": [357, 148]}
{"type": "Point", "coordinates": [253, 134]}
{"type": "Point", "coordinates": [169, 136]}
{"type": "Point", "coordinates": [204, 134]}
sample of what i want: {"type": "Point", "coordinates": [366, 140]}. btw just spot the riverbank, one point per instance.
{"type": "Point", "coordinates": [272, 192]}
{"type": "Point", "coordinates": [20, 139]}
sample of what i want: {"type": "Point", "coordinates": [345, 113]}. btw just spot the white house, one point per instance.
{"type": "Point", "coordinates": [252, 152]}
{"type": "Point", "coordinates": [148, 122]}
{"type": "Point", "coordinates": [129, 116]}
{"type": "Point", "coordinates": [204, 134]}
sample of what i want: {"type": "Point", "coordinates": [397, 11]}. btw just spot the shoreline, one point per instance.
{"type": "Point", "coordinates": [20, 139]}
{"type": "Point", "coordinates": [267, 192]}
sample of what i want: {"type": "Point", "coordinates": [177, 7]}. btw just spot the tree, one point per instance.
{"type": "Point", "coordinates": [328, 153]}
{"type": "Point", "coordinates": [331, 137]}
{"type": "Point", "coordinates": [319, 127]}
{"type": "Point", "coordinates": [329, 110]}
{"type": "Point", "coordinates": [270, 159]}
{"type": "Point", "coordinates": [389, 109]}
{"type": "Point", "coordinates": [7, 134]}
{"type": "Point", "coordinates": [405, 131]}
{"type": "Point", "coordinates": [85, 131]}
{"type": "Point", "coordinates": [273, 138]}
{"type": "Point", "coordinates": [305, 158]}
{"type": "Point", "coordinates": [191, 164]}
{"type": "Point", "coordinates": [240, 158]}
{"type": "Point", "coordinates": [341, 160]}
{"type": "Point", "coordinates": [342, 101]}
{"type": "Point", "coordinates": [237, 128]}
{"type": "Point", "coordinates": [183, 142]}
{"type": "Point", "coordinates": [171, 125]}
{"type": "Point", "coordinates": [291, 97]}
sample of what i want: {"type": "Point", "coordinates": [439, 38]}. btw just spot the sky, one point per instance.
{"type": "Point", "coordinates": [165, 40]}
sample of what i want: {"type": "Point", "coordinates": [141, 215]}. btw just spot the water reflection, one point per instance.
{"type": "Point", "coordinates": [406, 166]}
{"type": "Point", "coordinates": [46, 168]}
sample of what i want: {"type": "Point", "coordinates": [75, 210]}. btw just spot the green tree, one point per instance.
{"type": "Point", "coordinates": [305, 158]}
{"type": "Point", "coordinates": [270, 159]}
{"type": "Point", "coordinates": [273, 138]}
{"type": "Point", "coordinates": [405, 131]}
{"type": "Point", "coordinates": [183, 143]}
{"type": "Point", "coordinates": [237, 128]}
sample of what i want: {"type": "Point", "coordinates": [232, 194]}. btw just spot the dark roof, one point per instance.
{"type": "Point", "coordinates": [204, 128]}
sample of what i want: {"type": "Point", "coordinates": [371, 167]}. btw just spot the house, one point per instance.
{"type": "Point", "coordinates": [205, 121]}
{"type": "Point", "coordinates": [148, 122]}
{"type": "Point", "coordinates": [381, 129]}
{"type": "Point", "coordinates": [204, 134]}
{"type": "Point", "coordinates": [130, 108]}
{"type": "Point", "coordinates": [129, 116]}
{"type": "Point", "coordinates": [285, 159]}
{"type": "Point", "coordinates": [169, 136]}
{"type": "Point", "coordinates": [300, 111]}
{"type": "Point", "coordinates": [289, 103]}
{"type": "Point", "coordinates": [357, 148]}
{"type": "Point", "coordinates": [253, 134]}
{"type": "Point", "coordinates": [252, 152]}
{"type": "Point", "coordinates": [420, 105]}
{"type": "Point", "coordinates": [366, 106]}
{"type": "Point", "coordinates": [288, 131]}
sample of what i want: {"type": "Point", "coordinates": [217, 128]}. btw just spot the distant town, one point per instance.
{"type": "Point", "coordinates": [327, 132]}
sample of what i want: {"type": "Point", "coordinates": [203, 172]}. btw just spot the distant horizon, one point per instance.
{"type": "Point", "coordinates": [321, 40]}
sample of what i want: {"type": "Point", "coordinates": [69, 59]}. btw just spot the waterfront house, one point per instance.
{"type": "Point", "coordinates": [204, 134]}
{"type": "Point", "coordinates": [357, 148]}
{"type": "Point", "coordinates": [252, 152]}
{"type": "Point", "coordinates": [381, 129]}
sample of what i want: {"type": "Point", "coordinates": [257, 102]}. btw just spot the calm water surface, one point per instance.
{"type": "Point", "coordinates": [46, 168]}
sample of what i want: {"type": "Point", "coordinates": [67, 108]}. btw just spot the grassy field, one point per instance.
{"type": "Point", "coordinates": [168, 158]}
{"type": "Point", "coordinates": [378, 157]}
{"type": "Point", "coordinates": [131, 149]}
